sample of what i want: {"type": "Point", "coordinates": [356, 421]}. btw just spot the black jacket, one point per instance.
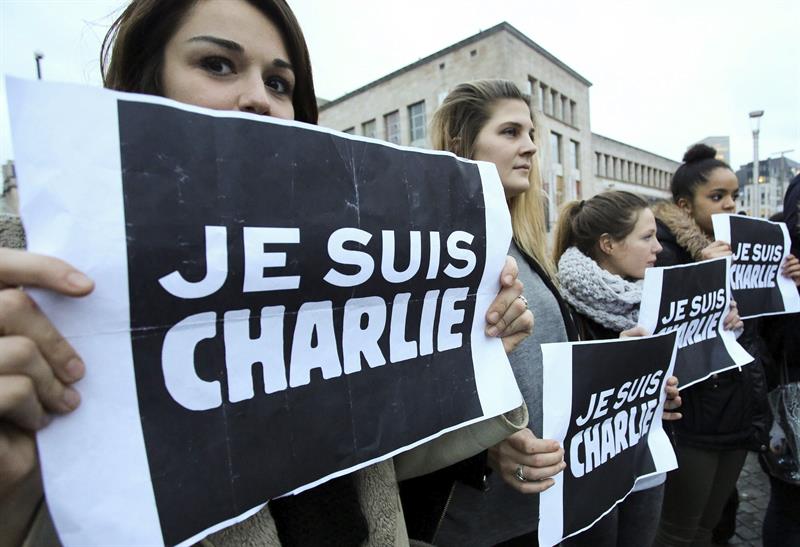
{"type": "Point", "coordinates": [729, 410]}
{"type": "Point", "coordinates": [589, 329]}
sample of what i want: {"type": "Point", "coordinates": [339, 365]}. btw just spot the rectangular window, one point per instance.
{"type": "Point", "coordinates": [540, 97]}
{"type": "Point", "coordinates": [574, 154]}
{"type": "Point", "coordinates": [416, 116]}
{"type": "Point", "coordinates": [391, 126]}
{"type": "Point", "coordinates": [554, 103]}
{"type": "Point", "coordinates": [573, 118]}
{"type": "Point", "coordinates": [555, 148]}
{"type": "Point", "coordinates": [351, 130]}
{"type": "Point", "coordinates": [368, 129]}
{"type": "Point", "coordinates": [564, 105]}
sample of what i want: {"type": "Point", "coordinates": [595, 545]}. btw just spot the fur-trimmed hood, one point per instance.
{"type": "Point", "coordinates": [682, 227]}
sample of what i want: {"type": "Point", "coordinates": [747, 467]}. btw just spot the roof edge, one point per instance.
{"type": "Point", "coordinates": [634, 147]}
{"type": "Point", "coordinates": [458, 45]}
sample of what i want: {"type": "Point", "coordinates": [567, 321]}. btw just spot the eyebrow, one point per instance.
{"type": "Point", "coordinates": [230, 45]}
{"type": "Point", "coordinates": [221, 42]}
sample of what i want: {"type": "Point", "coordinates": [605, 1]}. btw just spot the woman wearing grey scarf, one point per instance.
{"type": "Point", "coordinates": [603, 247]}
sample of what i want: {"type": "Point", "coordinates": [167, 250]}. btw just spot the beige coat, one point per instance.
{"type": "Point", "coordinates": [377, 486]}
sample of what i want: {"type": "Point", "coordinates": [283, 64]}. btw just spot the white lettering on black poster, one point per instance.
{"type": "Point", "coordinates": [276, 304]}
{"type": "Point", "coordinates": [693, 300]}
{"type": "Point", "coordinates": [759, 248]}
{"type": "Point", "coordinates": [604, 402]}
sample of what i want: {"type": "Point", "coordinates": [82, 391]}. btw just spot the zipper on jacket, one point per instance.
{"type": "Point", "coordinates": [444, 512]}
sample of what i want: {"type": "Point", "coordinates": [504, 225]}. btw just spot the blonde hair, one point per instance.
{"type": "Point", "coordinates": [455, 127]}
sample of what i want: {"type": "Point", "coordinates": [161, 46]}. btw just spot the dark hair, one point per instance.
{"type": "Point", "coordinates": [698, 162]}
{"type": "Point", "coordinates": [132, 54]}
{"type": "Point", "coordinates": [582, 223]}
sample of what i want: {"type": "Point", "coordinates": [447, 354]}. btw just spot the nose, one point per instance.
{"type": "Point", "coordinates": [254, 96]}
{"type": "Point", "coordinates": [658, 247]}
{"type": "Point", "coordinates": [730, 203]}
{"type": "Point", "coordinates": [528, 148]}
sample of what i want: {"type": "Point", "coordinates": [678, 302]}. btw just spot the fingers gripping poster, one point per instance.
{"type": "Point", "coordinates": [760, 248]}
{"type": "Point", "coordinates": [693, 300]}
{"type": "Point", "coordinates": [603, 402]}
{"type": "Point", "coordinates": [276, 304]}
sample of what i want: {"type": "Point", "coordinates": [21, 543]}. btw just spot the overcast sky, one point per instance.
{"type": "Point", "coordinates": [665, 73]}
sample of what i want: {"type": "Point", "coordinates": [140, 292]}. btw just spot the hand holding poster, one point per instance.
{"type": "Point", "coordinates": [603, 402]}
{"type": "Point", "coordinates": [693, 300]}
{"type": "Point", "coordinates": [760, 248]}
{"type": "Point", "coordinates": [276, 304]}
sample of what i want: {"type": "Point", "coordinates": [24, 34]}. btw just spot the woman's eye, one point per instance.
{"type": "Point", "coordinates": [279, 85]}
{"type": "Point", "coordinates": [218, 66]}
{"type": "Point", "coordinates": [510, 131]}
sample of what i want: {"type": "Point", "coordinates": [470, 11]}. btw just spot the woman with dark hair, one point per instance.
{"type": "Point", "coordinates": [724, 415]}
{"type": "Point", "coordinates": [242, 55]}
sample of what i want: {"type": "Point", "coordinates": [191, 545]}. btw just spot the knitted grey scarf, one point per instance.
{"type": "Point", "coordinates": [604, 297]}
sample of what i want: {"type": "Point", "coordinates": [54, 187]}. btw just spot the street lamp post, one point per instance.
{"type": "Point", "coordinates": [755, 120]}
{"type": "Point", "coordinates": [38, 55]}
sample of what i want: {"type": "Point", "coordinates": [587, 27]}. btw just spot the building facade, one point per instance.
{"type": "Point", "coordinates": [620, 166]}
{"type": "Point", "coordinates": [575, 164]}
{"type": "Point", "coordinates": [774, 176]}
{"type": "Point", "coordinates": [722, 145]}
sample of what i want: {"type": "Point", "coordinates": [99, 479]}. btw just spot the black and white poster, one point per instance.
{"type": "Point", "coordinates": [693, 300]}
{"type": "Point", "coordinates": [276, 304]}
{"type": "Point", "coordinates": [603, 402]}
{"type": "Point", "coordinates": [760, 248]}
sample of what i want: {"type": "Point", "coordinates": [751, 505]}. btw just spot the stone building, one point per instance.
{"type": "Point", "coordinates": [722, 145]}
{"type": "Point", "coordinates": [620, 166]}
{"type": "Point", "coordinates": [774, 176]}
{"type": "Point", "coordinates": [574, 162]}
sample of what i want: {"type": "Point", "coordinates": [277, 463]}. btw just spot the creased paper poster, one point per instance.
{"type": "Point", "coordinates": [760, 248]}
{"type": "Point", "coordinates": [693, 300]}
{"type": "Point", "coordinates": [276, 304]}
{"type": "Point", "coordinates": [603, 402]}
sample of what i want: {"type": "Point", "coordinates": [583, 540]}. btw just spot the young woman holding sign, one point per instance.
{"type": "Point", "coordinates": [247, 56]}
{"type": "Point", "coordinates": [724, 415]}
{"type": "Point", "coordinates": [603, 247]}
{"type": "Point", "coordinates": [491, 120]}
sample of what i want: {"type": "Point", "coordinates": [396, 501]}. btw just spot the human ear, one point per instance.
{"type": "Point", "coordinates": [606, 244]}
{"type": "Point", "coordinates": [685, 204]}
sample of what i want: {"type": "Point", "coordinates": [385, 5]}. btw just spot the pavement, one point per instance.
{"type": "Point", "coordinates": [753, 486]}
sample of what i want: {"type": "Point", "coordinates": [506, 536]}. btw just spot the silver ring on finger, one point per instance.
{"type": "Point", "coordinates": [524, 300]}
{"type": "Point", "coordinates": [519, 474]}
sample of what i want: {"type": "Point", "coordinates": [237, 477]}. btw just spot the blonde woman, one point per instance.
{"type": "Point", "coordinates": [491, 120]}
